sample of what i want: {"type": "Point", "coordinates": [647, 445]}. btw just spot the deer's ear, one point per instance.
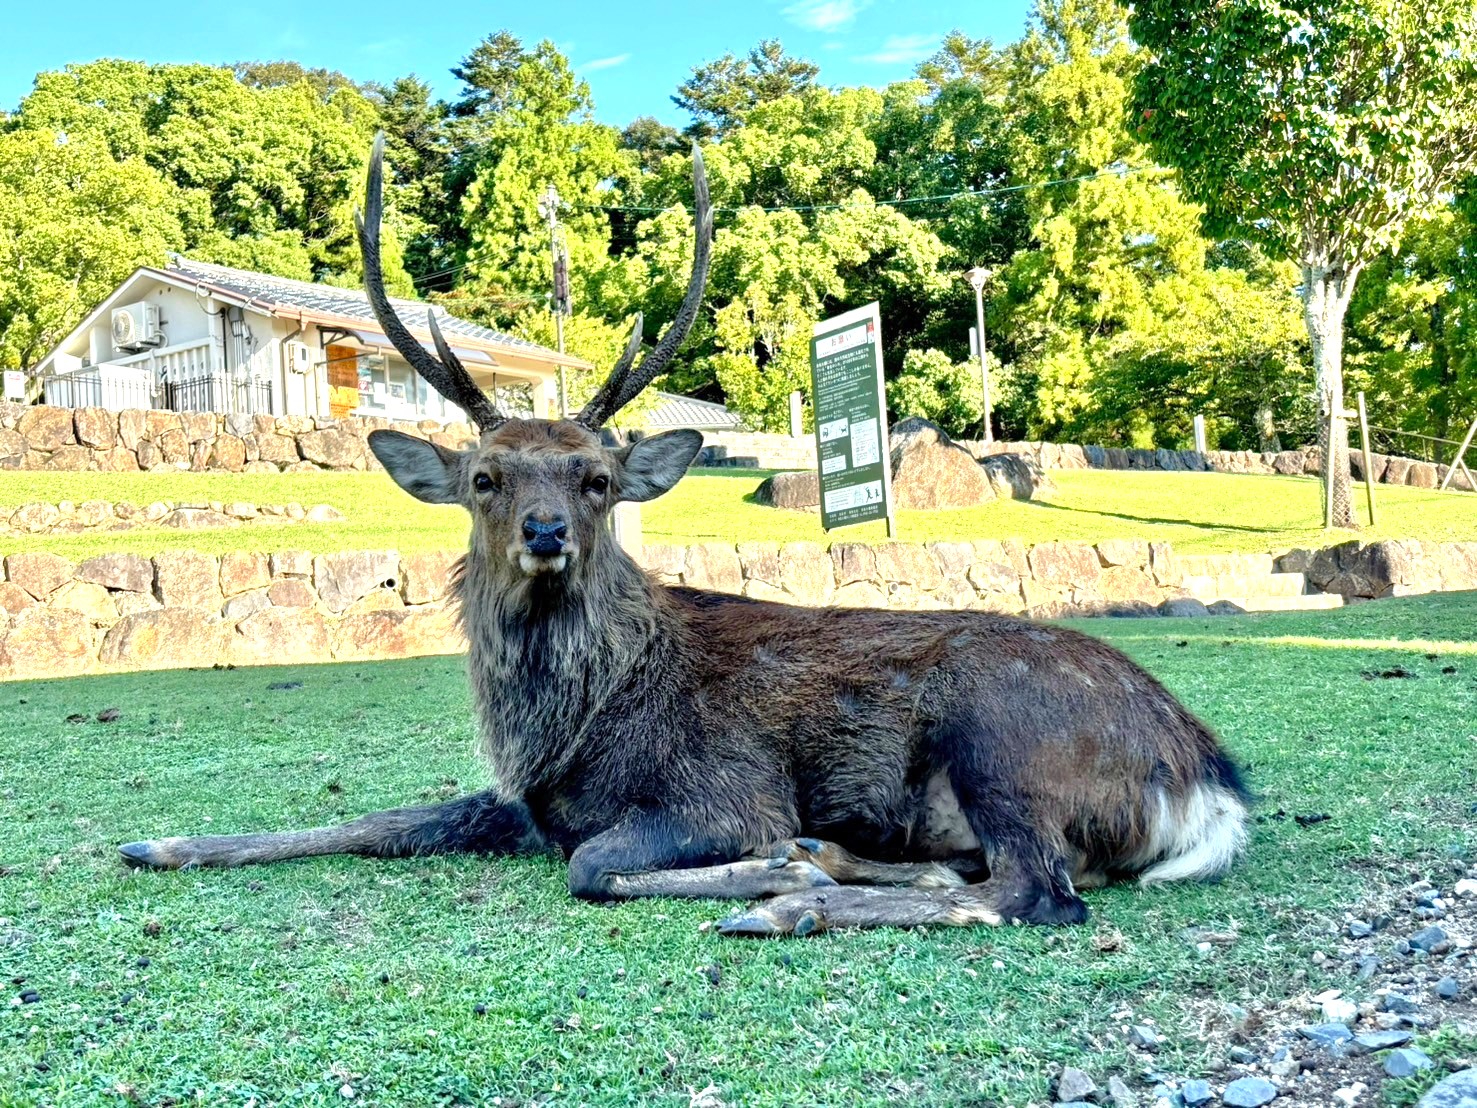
{"type": "Point", "coordinates": [649, 467]}
{"type": "Point", "coordinates": [427, 471]}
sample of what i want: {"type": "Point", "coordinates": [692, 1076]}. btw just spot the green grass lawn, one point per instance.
{"type": "Point", "coordinates": [450, 981]}
{"type": "Point", "coordinates": [1204, 512]}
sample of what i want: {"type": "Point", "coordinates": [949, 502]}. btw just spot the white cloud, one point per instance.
{"type": "Point", "coordinates": [904, 49]}
{"type": "Point", "coordinates": [605, 63]}
{"type": "Point", "coordinates": [827, 16]}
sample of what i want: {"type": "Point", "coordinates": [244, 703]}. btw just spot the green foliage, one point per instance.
{"type": "Point", "coordinates": [1115, 316]}
{"type": "Point", "coordinates": [721, 94]}
{"type": "Point", "coordinates": [1412, 333]}
{"type": "Point", "coordinates": [263, 174]}
{"type": "Point", "coordinates": [524, 124]}
{"type": "Point", "coordinates": [1320, 127]}
{"type": "Point", "coordinates": [73, 223]}
{"type": "Point", "coordinates": [938, 389]}
{"type": "Point", "coordinates": [597, 342]}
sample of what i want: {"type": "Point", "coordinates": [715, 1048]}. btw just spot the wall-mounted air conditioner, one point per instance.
{"type": "Point", "coordinates": [136, 327]}
{"type": "Point", "coordinates": [299, 357]}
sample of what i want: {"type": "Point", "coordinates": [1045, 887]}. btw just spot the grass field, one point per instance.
{"type": "Point", "coordinates": [453, 980]}
{"type": "Point", "coordinates": [1198, 512]}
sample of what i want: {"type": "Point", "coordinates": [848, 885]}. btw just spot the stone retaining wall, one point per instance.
{"type": "Point", "coordinates": [69, 518]}
{"type": "Point", "coordinates": [47, 438]}
{"type": "Point", "coordinates": [184, 609]}
{"type": "Point", "coordinates": [783, 452]}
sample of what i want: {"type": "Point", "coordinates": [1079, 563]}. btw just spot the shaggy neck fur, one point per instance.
{"type": "Point", "coordinates": [548, 652]}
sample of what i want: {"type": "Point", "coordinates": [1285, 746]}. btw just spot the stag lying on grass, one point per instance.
{"type": "Point", "coordinates": [863, 768]}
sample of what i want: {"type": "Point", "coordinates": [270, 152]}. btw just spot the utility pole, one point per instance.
{"type": "Point", "coordinates": [979, 276]}
{"type": "Point", "coordinates": [548, 207]}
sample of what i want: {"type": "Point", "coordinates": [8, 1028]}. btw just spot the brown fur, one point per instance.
{"type": "Point", "coordinates": [660, 736]}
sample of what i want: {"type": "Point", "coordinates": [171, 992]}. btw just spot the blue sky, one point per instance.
{"type": "Point", "coordinates": [634, 56]}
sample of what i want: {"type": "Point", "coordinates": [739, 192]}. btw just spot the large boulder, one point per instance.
{"type": "Point", "coordinates": [929, 471]}
{"type": "Point", "coordinates": [1016, 476]}
{"type": "Point", "coordinates": [800, 491]}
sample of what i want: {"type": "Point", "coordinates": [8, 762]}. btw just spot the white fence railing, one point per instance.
{"type": "Point", "coordinates": [183, 378]}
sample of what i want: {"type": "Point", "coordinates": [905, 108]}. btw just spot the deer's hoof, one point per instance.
{"type": "Point", "coordinates": [146, 854]}
{"type": "Point", "coordinates": [758, 923]}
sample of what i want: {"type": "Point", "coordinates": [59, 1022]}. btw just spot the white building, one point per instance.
{"type": "Point", "coordinates": [200, 337]}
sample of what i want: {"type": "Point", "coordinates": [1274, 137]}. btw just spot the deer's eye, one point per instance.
{"type": "Point", "coordinates": [483, 483]}
{"type": "Point", "coordinates": [598, 484]}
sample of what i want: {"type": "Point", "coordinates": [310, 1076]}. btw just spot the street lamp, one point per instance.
{"type": "Point", "coordinates": [979, 277]}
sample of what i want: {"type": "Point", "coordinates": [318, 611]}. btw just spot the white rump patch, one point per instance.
{"type": "Point", "coordinates": [1194, 837]}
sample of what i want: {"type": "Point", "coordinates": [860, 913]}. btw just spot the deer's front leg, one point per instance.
{"type": "Point", "coordinates": [655, 855]}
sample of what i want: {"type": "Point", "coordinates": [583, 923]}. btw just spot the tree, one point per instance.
{"type": "Point", "coordinates": [1319, 127]}
{"type": "Point", "coordinates": [263, 177]}
{"type": "Point", "coordinates": [720, 94]}
{"type": "Point", "coordinates": [419, 156]}
{"type": "Point", "coordinates": [933, 386]}
{"type": "Point", "coordinates": [527, 125]}
{"type": "Point", "coordinates": [651, 140]}
{"type": "Point", "coordinates": [73, 224]}
{"type": "Point", "coordinates": [1412, 329]}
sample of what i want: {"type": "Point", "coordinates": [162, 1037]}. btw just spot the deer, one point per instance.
{"type": "Point", "coordinates": [831, 767]}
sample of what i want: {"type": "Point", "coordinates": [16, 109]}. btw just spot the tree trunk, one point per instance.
{"type": "Point", "coordinates": [1326, 291]}
{"type": "Point", "coordinates": [1268, 441]}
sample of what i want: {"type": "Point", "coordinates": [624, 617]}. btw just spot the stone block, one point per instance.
{"type": "Point", "coordinates": [1124, 552]}
{"type": "Point", "coordinates": [280, 636]}
{"type": "Point", "coordinates": [291, 592]}
{"type": "Point", "coordinates": [41, 642]}
{"type": "Point", "coordinates": [714, 566]}
{"type": "Point", "coordinates": [187, 579]}
{"type": "Point", "coordinates": [46, 429]}
{"type": "Point", "coordinates": [243, 572]}
{"type": "Point", "coordinates": [87, 598]}
{"type": "Point", "coordinates": [1065, 565]}
{"type": "Point", "coordinates": [760, 562]}
{"type": "Point", "coordinates": [806, 573]}
{"type": "Point", "coordinates": [853, 562]}
{"type": "Point", "coordinates": [39, 574]}
{"type": "Point", "coordinates": [905, 563]}
{"type": "Point", "coordinates": [292, 563]}
{"type": "Point", "coordinates": [406, 633]}
{"type": "Point", "coordinates": [426, 578]}
{"type": "Point", "coordinates": [341, 579]}
{"type": "Point", "coordinates": [95, 427]}
{"type": "Point", "coordinates": [167, 638]}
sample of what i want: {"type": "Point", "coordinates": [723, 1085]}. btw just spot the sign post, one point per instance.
{"type": "Point", "coordinates": [15, 385]}
{"type": "Point", "coordinates": [851, 420]}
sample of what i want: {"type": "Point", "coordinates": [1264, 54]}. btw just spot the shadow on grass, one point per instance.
{"type": "Point", "coordinates": [1198, 524]}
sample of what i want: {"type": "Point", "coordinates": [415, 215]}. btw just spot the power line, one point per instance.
{"type": "Point", "coordinates": [1124, 171]}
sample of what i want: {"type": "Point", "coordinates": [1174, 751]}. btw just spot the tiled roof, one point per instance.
{"type": "Point", "coordinates": [348, 303]}
{"type": "Point", "coordinates": [685, 411]}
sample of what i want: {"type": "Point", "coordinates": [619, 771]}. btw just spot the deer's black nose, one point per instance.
{"type": "Point", "coordinates": [544, 538]}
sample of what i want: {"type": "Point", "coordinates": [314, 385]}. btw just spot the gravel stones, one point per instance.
{"type": "Point", "coordinates": [1249, 1092]}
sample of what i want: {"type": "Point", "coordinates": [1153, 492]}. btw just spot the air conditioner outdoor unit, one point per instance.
{"type": "Point", "coordinates": [299, 357]}
{"type": "Point", "coordinates": [136, 326]}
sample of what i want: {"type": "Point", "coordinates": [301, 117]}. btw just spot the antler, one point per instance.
{"type": "Point", "coordinates": [624, 383]}
{"type": "Point", "coordinates": [447, 376]}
